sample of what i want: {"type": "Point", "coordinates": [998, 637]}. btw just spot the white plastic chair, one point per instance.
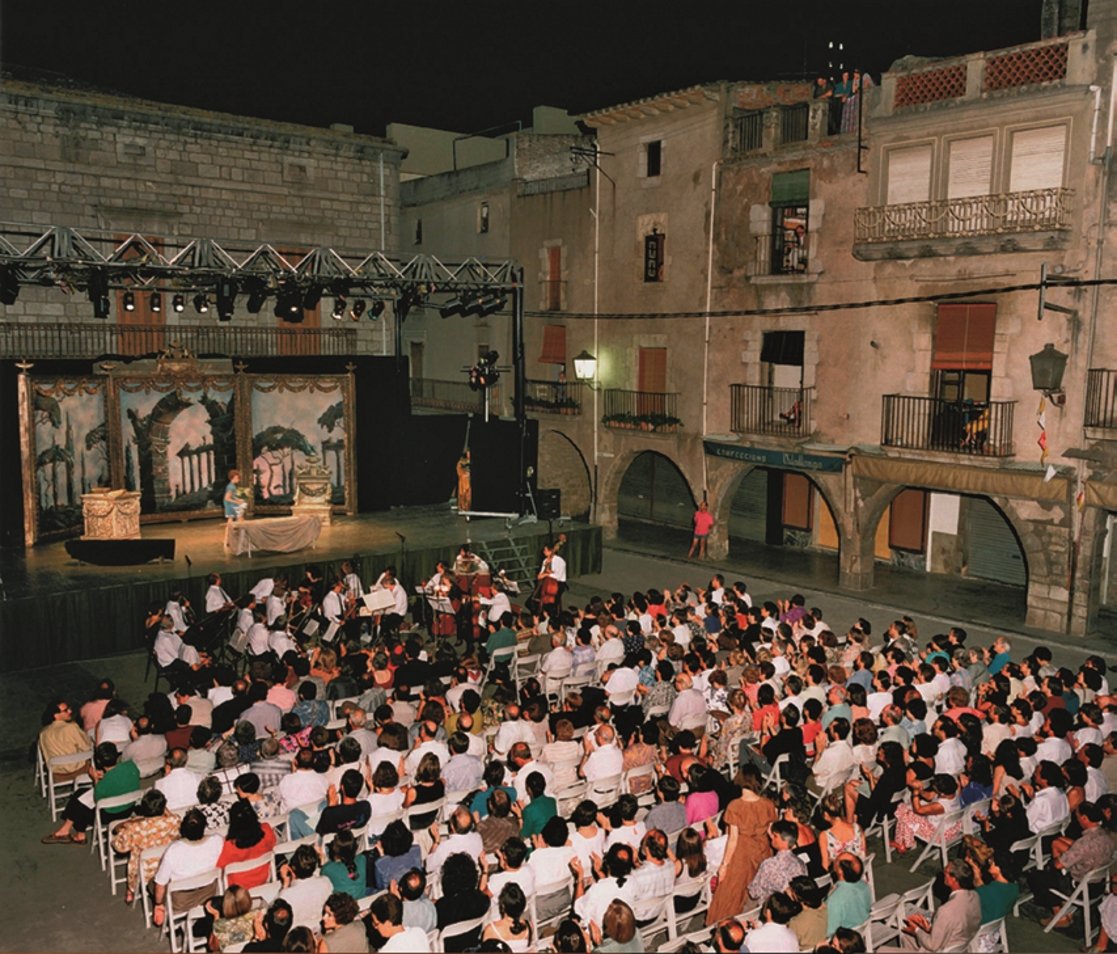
{"type": "Point", "coordinates": [66, 787]}
{"type": "Point", "coordinates": [100, 840]}
{"type": "Point", "coordinates": [604, 791]}
{"type": "Point", "coordinates": [938, 840]}
{"type": "Point", "coordinates": [1080, 898]}
{"type": "Point", "coordinates": [252, 864]}
{"type": "Point", "coordinates": [640, 771]}
{"type": "Point", "coordinates": [555, 895]}
{"type": "Point", "coordinates": [524, 667]}
{"type": "Point", "coordinates": [266, 893]}
{"type": "Point", "coordinates": [40, 771]}
{"type": "Point", "coordinates": [991, 938]}
{"type": "Point", "coordinates": [177, 920]}
{"type": "Point", "coordinates": [147, 855]}
{"type": "Point", "coordinates": [461, 928]}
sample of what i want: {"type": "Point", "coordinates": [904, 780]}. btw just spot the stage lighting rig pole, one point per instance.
{"type": "Point", "coordinates": [519, 387]}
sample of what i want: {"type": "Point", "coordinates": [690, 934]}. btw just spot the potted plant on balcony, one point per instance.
{"type": "Point", "coordinates": [621, 419]}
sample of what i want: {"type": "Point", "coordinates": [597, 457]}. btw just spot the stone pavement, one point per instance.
{"type": "Point", "coordinates": [65, 882]}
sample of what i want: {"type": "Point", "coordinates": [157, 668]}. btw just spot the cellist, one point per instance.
{"type": "Point", "coordinates": [552, 579]}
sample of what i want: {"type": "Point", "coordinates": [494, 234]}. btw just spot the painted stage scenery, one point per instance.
{"type": "Point", "coordinates": [70, 451]}
{"type": "Point", "coordinates": [178, 443]}
{"type": "Point", "coordinates": [293, 420]}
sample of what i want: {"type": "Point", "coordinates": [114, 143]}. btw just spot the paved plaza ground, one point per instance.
{"type": "Point", "coordinates": [56, 898]}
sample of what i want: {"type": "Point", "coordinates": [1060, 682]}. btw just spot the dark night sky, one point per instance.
{"type": "Point", "coordinates": [470, 66]}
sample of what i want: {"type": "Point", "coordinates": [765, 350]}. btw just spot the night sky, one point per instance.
{"type": "Point", "coordinates": [470, 66]}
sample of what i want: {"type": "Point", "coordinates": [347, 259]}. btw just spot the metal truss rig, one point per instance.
{"type": "Point", "coordinates": [62, 257]}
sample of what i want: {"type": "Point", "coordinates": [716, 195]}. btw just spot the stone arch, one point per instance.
{"type": "Point", "coordinates": [152, 434]}
{"type": "Point", "coordinates": [610, 482]}
{"type": "Point", "coordinates": [726, 478]}
{"type": "Point", "coordinates": [563, 465]}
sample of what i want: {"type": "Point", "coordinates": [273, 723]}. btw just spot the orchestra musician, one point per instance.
{"type": "Point", "coordinates": [180, 612]}
{"type": "Point", "coordinates": [552, 577]}
{"type": "Point", "coordinates": [246, 613]}
{"type": "Point", "coordinates": [390, 622]}
{"type": "Point", "coordinates": [258, 634]}
{"type": "Point", "coordinates": [439, 591]}
{"type": "Point", "coordinates": [216, 598]}
{"type": "Point", "coordinates": [276, 604]}
{"type": "Point", "coordinates": [333, 603]}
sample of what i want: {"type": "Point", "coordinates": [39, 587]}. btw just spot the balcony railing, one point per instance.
{"type": "Point", "coordinates": [785, 412]}
{"type": "Point", "coordinates": [641, 410]}
{"type": "Point", "coordinates": [451, 396]}
{"type": "Point", "coordinates": [780, 253]}
{"type": "Point", "coordinates": [957, 427]}
{"type": "Point", "coordinates": [553, 397]}
{"type": "Point", "coordinates": [92, 339]}
{"type": "Point", "coordinates": [748, 132]}
{"type": "Point", "coordinates": [1101, 398]}
{"type": "Point", "coordinates": [1040, 210]}
{"type": "Point", "coordinates": [794, 122]}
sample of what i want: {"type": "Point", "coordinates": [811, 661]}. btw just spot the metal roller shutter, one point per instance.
{"type": "Point", "coordinates": [909, 175]}
{"type": "Point", "coordinates": [748, 514]}
{"type": "Point", "coordinates": [992, 552]}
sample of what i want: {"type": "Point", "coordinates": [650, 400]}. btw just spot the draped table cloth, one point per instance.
{"type": "Point", "coordinates": [279, 534]}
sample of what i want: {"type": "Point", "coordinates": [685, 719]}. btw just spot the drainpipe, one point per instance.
{"type": "Point", "coordinates": [383, 248]}
{"type": "Point", "coordinates": [714, 169]}
{"type": "Point", "coordinates": [596, 213]}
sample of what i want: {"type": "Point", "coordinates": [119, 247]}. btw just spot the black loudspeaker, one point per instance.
{"type": "Point", "coordinates": [549, 503]}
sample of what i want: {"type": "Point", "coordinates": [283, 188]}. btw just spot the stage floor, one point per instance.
{"type": "Point", "coordinates": [48, 568]}
{"type": "Point", "coordinates": [54, 609]}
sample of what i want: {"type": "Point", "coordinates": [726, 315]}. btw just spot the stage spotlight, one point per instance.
{"type": "Point", "coordinates": [358, 309]}
{"type": "Point", "coordinates": [312, 297]}
{"type": "Point", "coordinates": [289, 303]}
{"type": "Point", "coordinates": [129, 301]}
{"type": "Point", "coordinates": [201, 303]}
{"type": "Point", "coordinates": [376, 309]}
{"type": "Point", "coordinates": [491, 305]}
{"type": "Point", "coordinates": [226, 298]}
{"type": "Point", "coordinates": [339, 308]}
{"type": "Point", "coordinates": [9, 286]}
{"type": "Point", "coordinates": [178, 303]}
{"type": "Point", "coordinates": [453, 307]}
{"type": "Point", "coordinates": [155, 301]}
{"type": "Point", "coordinates": [99, 293]}
{"type": "Point", "coordinates": [257, 295]}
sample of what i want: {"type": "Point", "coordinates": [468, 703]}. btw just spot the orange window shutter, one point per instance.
{"type": "Point", "coordinates": [652, 374]}
{"type": "Point", "coordinates": [554, 345]}
{"type": "Point", "coordinates": [796, 501]}
{"type": "Point", "coordinates": [907, 527]}
{"type": "Point", "coordinates": [964, 336]}
{"type": "Point", "coordinates": [554, 278]}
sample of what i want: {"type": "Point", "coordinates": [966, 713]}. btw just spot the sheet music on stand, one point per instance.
{"type": "Point", "coordinates": [309, 628]}
{"type": "Point", "coordinates": [331, 632]}
{"type": "Point", "coordinates": [378, 601]}
{"type": "Point", "coordinates": [439, 604]}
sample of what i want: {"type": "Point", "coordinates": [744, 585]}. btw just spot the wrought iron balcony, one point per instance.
{"type": "Point", "coordinates": [1101, 398]}
{"type": "Point", "coordinates": [784, 412]}
{"type": "Point", "coordinates": [93, 339]}
{"type": "Point", "coordinates": [553, 397]}
{"type": "Point", "coordinates": [641, 410]}
{"type": "Point", "coordinates": [452, 396]}
{"type": "Point", "coordinates": [956, 427]}
{"type": "Point", "coordinates": [1039, 210]}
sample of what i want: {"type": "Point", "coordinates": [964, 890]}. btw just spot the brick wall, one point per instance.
{"type": "Point", "coordinates": [119, 165]}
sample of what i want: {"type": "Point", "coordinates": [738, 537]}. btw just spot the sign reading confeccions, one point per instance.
{"type": "Point", "coordinates": [786, 460]}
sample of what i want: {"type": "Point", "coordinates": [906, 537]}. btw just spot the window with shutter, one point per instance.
{"type": "Point", "coordinates": [151, 337]}
{"type": "Point", "coordinates": [653, 256]}
{"type": "Point", "coordinates": [964, 337]}
{"type": "Point", "coordinates": [907, 525]}
{"type": "Point", "coordinates": [971, 167]}
{"type": "Point", "coordinates": [909, 174]}
{"type": "Point", "coordinates": [553, 292]}
{"type": "Point", "coordinates": [652, 372]}
{"type": "Point", "coordinates": [554, 345]}
{"type": "Point", "coordinates": [797, 501]}
{"type": "Point", "coordinates": [1037, 158]}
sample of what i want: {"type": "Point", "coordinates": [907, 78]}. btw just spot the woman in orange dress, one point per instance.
{"type": "Point", "coordinates": [747, 819]}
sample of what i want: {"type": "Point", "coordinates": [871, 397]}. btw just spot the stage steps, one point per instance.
{"type": "Point", "coordinates": [515, 558]}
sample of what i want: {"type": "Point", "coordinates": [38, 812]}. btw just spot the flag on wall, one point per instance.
{"type": "Point", "coordinates": [1041, 422]}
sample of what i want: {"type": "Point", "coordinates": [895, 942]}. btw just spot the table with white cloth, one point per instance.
{"type": "Point", "coordinates": [279, 534]}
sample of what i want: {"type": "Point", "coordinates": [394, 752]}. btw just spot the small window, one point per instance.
{"type": "Point", "coordinates": [790, 198]}
{"type": "Point", "coordinates": [907, 523]}
{"type": "Point", "coordinates": [483, 217]}
{"type": "Point", "coordinates": [653, 256]}
{"type": "Point", "coordinates": [418, 231]}
{"type": "Point", "coordinates": [653, 155]}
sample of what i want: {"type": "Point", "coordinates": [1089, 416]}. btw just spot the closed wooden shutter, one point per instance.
{"type": "Point", "coordinates": [148, 336]}
{"type": "Point", "coordinates": [971, 167]}
{"type": "Point", "coordinates": [652, 375]}
{"type": "Point", "coordinates": [554, 345]}
{"type": "Point", "coordinates": [554, 278]}
{"type": "Point", "coordinates": [797, 501]}
{"type": "Point", "coordinates": [1037, 158]}
{"type": "Point", "coordinates": [992, 552]}
{"type": "Point", "coordinates": [791, 188]}
{"type": "Point", "coordinates": [964, 337]}
{"type": "Point", "coordinates": [907, 524]}
{"type": "Point", "coordinates": [909, 174]}
{"type": "Point", "coordinates": [748, 514]}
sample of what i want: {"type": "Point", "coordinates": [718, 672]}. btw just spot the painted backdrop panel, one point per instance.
{"type": "Point", "coordinates": [294, 418]}
{"type": "Point", "coordinates": [69, 449]}
{"type": "Point", "coordinates": [179, 441]}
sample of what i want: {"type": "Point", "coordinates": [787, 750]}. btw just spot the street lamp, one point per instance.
{"type": "Point", "coordinates": [1048, 367]}
{"type": "Point", "coordinates": [585, 368]}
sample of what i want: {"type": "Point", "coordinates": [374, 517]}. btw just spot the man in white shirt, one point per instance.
{"type": "Point", "coordinates": [1049, 806]}
{"type": "Point", "coordinates": [263, 589]}
{"type": "Point", "coordinates": [688, 711]}
{"type": "Point", "coordinates": [169, 647]}
{"type": "Point", "coordinates": [996, 730]}
{"type": "Point", "coordinates": [333, 603]}
{"type": "Point", "coordinates": [304, 889]}
{"type": "Point", "coordinates": [512, 730]}
{"type": "Point", "coordinates": [275, 607]}
{"type": "Point", "coordinates": [257, 635]}
{"type": "Point", "coordinates": [463, 837]}
{"type": "Point", "coordinates": [279, 642]}
{"type": "Point", "coordinates": [427, 742]}
{"type": "Point", "coordinates": [951, 757]}
{"type": "Point", "coordinates": [836, 762]}
{"type": "Point", "coordinates": [216, 598]}
{"type": "Point", "coordinates": [386, 918]}
{"type": "Point", "coordinates": [590, 905]}
{"type": "Point", "coordinates": [246, 614]}
{"type": "Point", "coordinates": [303, 786]}
{"type": "Point", "coordinates": [772, 935]}
{"type": "Point", "coordinates": [654, 877]}
{"type": "Point", "coordinates": [556, 664]}
{"type": "Point", "coordinates": [193, 854]}
{"type": "Point", "coordinates": [620, 685]}
{"type": "Point", "coordinates": [606, 760]}
{"type": "Point", "coordinates": [521, 761]}
{"type": "Point", "coordinates": [179, 784]}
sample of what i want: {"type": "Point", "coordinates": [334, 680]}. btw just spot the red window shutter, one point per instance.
{"type": "Point", "coordinates": [797, 500]}
{"type": "Point", "coordinates": [554, 277]}
{"type": "Point", "coordinates": [652, 370]}
{"type": "Point", "coordinates": [964, 337]}
{"type": "Point", "coordinates": [554, 345]}
{"type": "Point", "coordinates": [907, 523]}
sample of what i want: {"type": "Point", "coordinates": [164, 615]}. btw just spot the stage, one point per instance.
{"type": "Point", "coordinates": [56, 610]}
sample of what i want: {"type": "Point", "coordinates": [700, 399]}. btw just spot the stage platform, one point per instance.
{"type": "Point", "coordinates": [56, 610]}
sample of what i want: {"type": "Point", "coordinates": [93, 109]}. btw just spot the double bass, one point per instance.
{"type": "Point", "coordinates": [547, 590]}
